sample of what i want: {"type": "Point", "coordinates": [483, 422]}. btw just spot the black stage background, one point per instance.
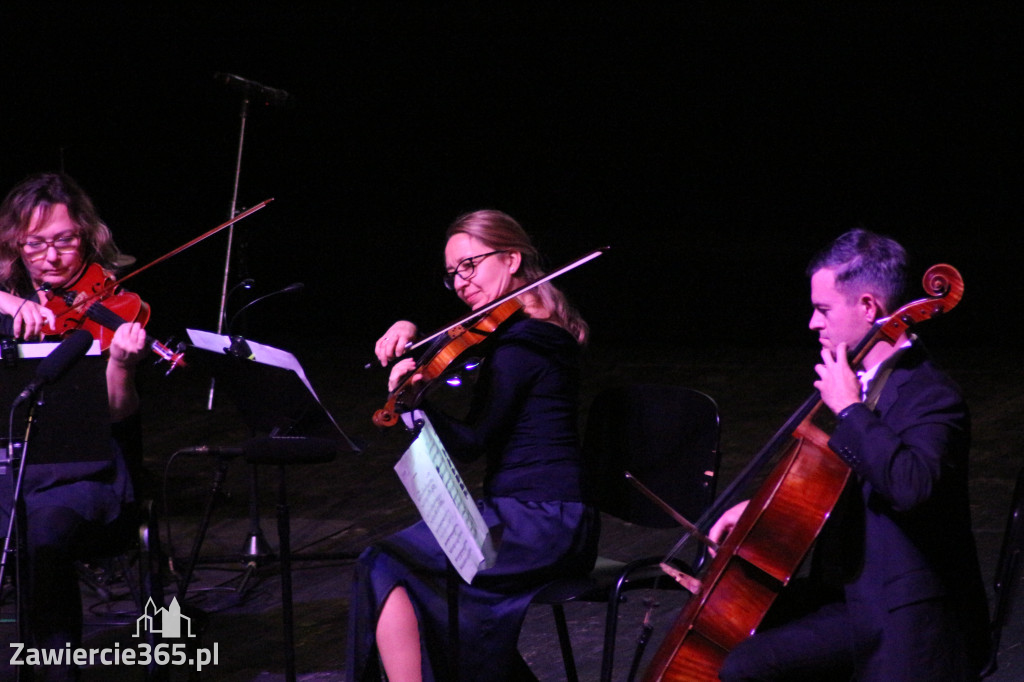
{"type": "Point", "coordinates": [714, 148]}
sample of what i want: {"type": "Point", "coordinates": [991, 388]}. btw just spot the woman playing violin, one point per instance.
{"type": "Point", "coordinates": [49, 234]}
{"type": "Point", "coordinates": [522, 421]}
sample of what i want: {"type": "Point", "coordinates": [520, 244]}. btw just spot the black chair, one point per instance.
{"type": "Point", "coordinates": [667, 437]}
{"type": "Point", "coordinates": [131, 553]}
{"type": "Point", "coordinates": [1008, 571]}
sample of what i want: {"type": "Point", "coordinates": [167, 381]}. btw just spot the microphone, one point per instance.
{"type": "Point", "coordinates": [297, 286]}
{"type": "Point", "coordinates": [253, 90]}
{"type": "Point", "coordinates": [247, 284]}
{"type": "Point", "coordinates": [56, 363]}
{"type": "Point", "coordinates": [213, 450]}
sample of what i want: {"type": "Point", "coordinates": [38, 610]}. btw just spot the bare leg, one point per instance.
{"type": "Point", "coordinates": [398, 638]}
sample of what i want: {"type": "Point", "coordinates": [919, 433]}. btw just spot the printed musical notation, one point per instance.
{"type": "Point", "coordinates": [444, 502]}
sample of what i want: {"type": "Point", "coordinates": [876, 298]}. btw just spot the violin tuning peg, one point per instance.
{"type": "Point", "coordinates": [178, 348]}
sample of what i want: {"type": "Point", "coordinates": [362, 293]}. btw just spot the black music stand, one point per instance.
{"type": "Point", "coordinates": [290, 426]}
{"type": "Point", "coordinates": [74, 403]}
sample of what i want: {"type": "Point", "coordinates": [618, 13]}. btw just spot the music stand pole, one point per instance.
{"type": "Point", "coordinates": [16, 528]}
{"type": "Point", "coordinates": [244, 115]}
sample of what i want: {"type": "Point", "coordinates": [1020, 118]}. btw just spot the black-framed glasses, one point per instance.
{"type": "Point", "coordinates": [466, 268]}
{"type": "Point", "coordinates": [65, 243]}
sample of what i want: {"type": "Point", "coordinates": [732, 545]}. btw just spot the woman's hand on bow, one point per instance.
{"type": "Point", "coordinates": [394, 342]}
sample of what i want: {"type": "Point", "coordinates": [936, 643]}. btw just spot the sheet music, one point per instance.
{"type": "Point", "coordinates": [444, 502]}
{"type": "Point", "coordinates": [266, 412]}
{"type": "Point", "coordinates": [42, 349]}
{"type": "Point", "coordinates": [266, 355]}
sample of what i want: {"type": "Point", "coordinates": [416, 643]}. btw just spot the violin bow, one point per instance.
{"type": "Point", "coordinates": [190, 244]}
{"type": "Point", "coordinates": [174, 252]}
{"type": "Point", "coordinates": [509, 296]}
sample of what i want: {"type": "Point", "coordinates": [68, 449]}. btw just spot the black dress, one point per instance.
{"type": "Point", "coordinates": [73, 510]}
{"type": "Point", "coordinates": [523, 420]}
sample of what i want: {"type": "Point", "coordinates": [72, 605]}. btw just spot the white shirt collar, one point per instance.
{"type": "Point", "coordinates": [866, 375]}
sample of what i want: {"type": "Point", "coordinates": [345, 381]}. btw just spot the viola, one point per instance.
{"type": "Point", "coordinates": [451, 343]}
{"type": "Point", "coordinates": [781, 522]}
{"type": "Point", "coordinates": [443, 354]}
{"type": "Point", "coordinates": [95, 302]}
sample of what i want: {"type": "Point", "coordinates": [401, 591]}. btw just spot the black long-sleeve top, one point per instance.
{"type": "Point", "coordinates": [523, 417]}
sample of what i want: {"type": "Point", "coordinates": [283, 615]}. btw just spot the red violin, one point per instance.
{"type": "Point", "coordinates": [94, 302]}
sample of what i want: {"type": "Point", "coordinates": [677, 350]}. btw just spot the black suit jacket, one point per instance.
{"type": "Point", "coordinates": [906, 530]}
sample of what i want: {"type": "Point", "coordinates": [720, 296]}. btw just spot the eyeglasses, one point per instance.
{"type": "Point", "coordinates": [66, 243]}
{"type": "Point", "coordinates": [465, 269]}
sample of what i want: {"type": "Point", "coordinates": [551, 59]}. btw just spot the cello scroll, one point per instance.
{"type": "Point", "coordinates": [945, 286]}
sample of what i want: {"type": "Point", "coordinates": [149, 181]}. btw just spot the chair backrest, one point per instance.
{"type": "Point", "coordinates": [1008, 569]}
{"type": "Point", "coordinates": [667, 437]}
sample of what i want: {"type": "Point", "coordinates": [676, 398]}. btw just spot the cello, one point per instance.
{"type": "Point", "coordinates": [782, 520]}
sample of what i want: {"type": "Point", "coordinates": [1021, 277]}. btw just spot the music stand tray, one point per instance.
{"type": "Point", "coordinates": [269, 388]}
{"type": "Point", "coordinates": [75, 424]}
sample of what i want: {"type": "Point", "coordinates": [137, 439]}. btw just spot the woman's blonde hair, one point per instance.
{"type": "Point", "coordinates": [500, 232]}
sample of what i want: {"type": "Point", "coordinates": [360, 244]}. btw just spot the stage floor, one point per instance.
{"type": "Point", "coordinates": [339, 507]}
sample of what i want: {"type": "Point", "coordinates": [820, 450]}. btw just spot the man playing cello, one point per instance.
{"type": "Point", "coordinates": [899, 546]}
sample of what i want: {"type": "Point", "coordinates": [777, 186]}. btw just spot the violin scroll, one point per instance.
{"type": "Point", "coordinates": [386, 416]}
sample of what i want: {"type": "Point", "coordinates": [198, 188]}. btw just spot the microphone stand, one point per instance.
{"type": "Point", "coordinates": [16, 523]}
{"type": "Point", "coordinates": [256, 549]}
{"type": "Point", "coordinates": [244, 115]}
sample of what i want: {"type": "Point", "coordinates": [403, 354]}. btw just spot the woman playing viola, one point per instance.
{"type": "Point", "coordinates": [49, 234]}
{"type": "Point", "coordinates": [522, 421]}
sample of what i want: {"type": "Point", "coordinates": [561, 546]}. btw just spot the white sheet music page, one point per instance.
{"type": "Point", "coordinates": [444, 502]}
{"type": "Point", "coordinates": [44, 348]}
{"type": "Point", "coordinates": [263, 354]}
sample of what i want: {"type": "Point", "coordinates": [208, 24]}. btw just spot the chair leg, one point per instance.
{"type": "Point", "coordinates": [566, 644]}
{"type": "Point", "coordinates": [150, 583]}
{"type": "Point", "coordinates": [135, 585]}
{"type": "Point", "coordinates": [610, 631]}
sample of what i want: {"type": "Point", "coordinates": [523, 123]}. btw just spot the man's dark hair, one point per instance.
{"type": "Point", "coordinates": [866, 262]}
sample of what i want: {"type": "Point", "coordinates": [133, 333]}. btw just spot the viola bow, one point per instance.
{"type": "Point", "coordinates": [480, 312]}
